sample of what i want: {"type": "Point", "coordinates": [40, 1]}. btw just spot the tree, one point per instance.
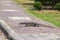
{"type": "Point", "coordinates": [53, 3]}
{"type": "Point", "coordinates": [37, 0]}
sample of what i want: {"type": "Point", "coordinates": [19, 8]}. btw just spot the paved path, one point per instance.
{"type": "Point", "coordinates": [11, 15]}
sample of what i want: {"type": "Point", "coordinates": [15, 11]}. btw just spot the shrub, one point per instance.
{"type": "Point", "coordinates": [37, 0]}
{"type": "Point", "coordinates": [38, 5]}
{"type": "Point", "coordinates": [58, 0]}
{"type": "Point", "coordinates": [57, 6]}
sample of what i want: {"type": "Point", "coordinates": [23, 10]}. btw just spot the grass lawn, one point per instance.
{"type": "Point", "coordinates": [48, 15]}
{"type": "Point", "coordinates": [23, 1]}
{"type": "Point", "coordinates": [52, 16]}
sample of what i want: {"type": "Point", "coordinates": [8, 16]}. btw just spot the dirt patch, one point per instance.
{"type": "Point", "coordinates": [49, 11]}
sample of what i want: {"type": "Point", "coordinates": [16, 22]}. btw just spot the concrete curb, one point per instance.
{"type": "Point", "coordinates": [10, 31]}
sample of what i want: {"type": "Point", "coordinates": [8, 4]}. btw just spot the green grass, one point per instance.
{"type": "Point", "coordinates": [17, 1]}
{"type": "Point", "coordinates": [23, 1]}
{"type": "Point", "coordinates": [50, 17]}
